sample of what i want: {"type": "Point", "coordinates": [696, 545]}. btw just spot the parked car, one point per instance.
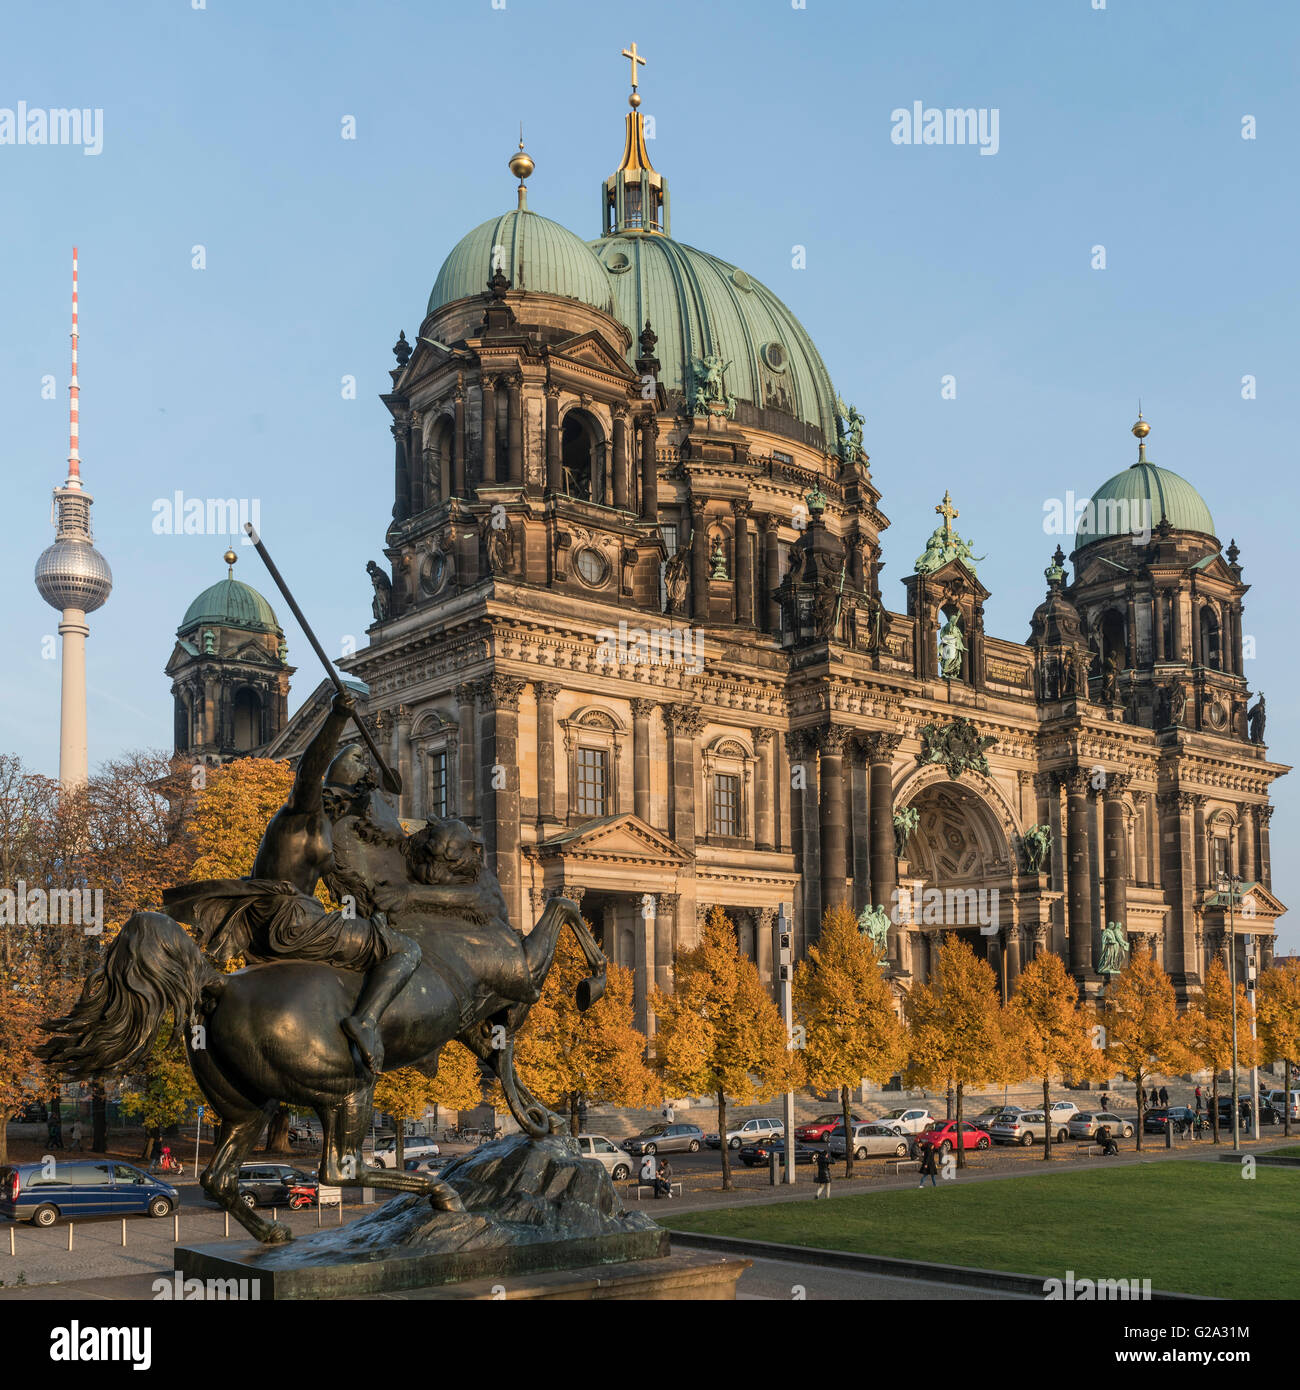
{"type": "Point", "coordinates": [911, 1119]}
{"type": "Point", "coordinates": [413, 1146]}
{"type": "Point", "coordinates": [756, 1154]}
{"type": "Point", "coordinates": [1063, 1111]}
{"type": "Point", "coordinates": [33, 1113]}
{"type": "Point", "coordinates": [1027, 1127]}
{"type": "Point", "coordinates": [268, 1184]}
{"type": "Point", "coordinates": [991, 1114]}
{"type": "Point", "coordinates": [819, 1128]}
{"type": "Point", "coordinates": [943, 1134]}
{"type": "Point", "coordinates": [1277, 1099]}
{"type": "Point", "coordinates": [425, 1165]}
{"type": "Point", "coordinates": [871, 1141]}
{"type": "Point", "coordinates": [606, 1153]}
{"type": "Point", "coordinates": [1157, 1121]}
{"type": "Point", "coordinates": [747, 1133]}
{"type": "Point", "coordinates": [1096, 1124]}
{"type": "Point", "coordinates": [1267, 1114]}
{"type": "Point", "coordinates": [109, 1188]}
{"type": "Point", "coordinates": [666, 1139]}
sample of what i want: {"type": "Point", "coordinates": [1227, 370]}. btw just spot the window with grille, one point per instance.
{"type": "Point", "coordinates": [437, 805]}
{"type": "Point", "coordinates": [726, 804]}
{"type": "Point", "coordinates": [592, 781]}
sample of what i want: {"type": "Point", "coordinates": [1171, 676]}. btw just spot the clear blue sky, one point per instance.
{"type": "Point", "coordinates": [1119, 127]}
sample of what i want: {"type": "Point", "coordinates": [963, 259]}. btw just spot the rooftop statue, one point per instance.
{"type": "Point", "coordinates": [874, 922]}
{"type": "Point", "coordinates": [1114, 949]}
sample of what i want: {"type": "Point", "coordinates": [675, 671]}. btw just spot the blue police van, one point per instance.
{"type": "Point", "coordinates": [44, 1192]}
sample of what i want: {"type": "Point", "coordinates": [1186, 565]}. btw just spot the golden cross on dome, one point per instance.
{"type": "Point", "coordinates": [635, 58]}
{"type": "Point", "coordinates": [947, 511]}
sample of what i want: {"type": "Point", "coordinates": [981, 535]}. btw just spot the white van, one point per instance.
{"type": "Point", "coordinates": [1277, 1098]}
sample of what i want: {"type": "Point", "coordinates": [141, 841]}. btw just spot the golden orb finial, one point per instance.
{"type": "Point", "coordinates": [230, 557]}
{"type": "Point", "coordinates": [1141, 429]}
{"type": "Point", "coordinates": [521, 165]}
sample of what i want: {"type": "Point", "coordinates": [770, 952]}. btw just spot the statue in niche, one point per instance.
{"type": "Point", "coordinates": [382, 603]}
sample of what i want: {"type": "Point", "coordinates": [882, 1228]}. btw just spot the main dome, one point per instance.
{"type": "Point", "coordinates": [231, 603]}
{"type": "Point", "coordinates": [1156, 493]}
{"type": "Point", "coordinates": [699, 304]}
{"type": "Point", "coordinates": [553, 260]}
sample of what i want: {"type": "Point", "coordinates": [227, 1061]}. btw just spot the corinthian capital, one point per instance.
{"type": "Point", "coordinates": [881, 746]}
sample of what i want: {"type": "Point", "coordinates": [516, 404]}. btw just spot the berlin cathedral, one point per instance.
{"type": "Point", "coordinates": [630, 628]}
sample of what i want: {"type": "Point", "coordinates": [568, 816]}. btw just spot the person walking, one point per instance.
{"type": "Point", "coordinates": [823, 1161]}
{"type": "Point", "coordinates": [1164, 1095]}
{"type": "Point", "coordinates": [1105, 1101]}
{"type": "Point", "coordinates": [929, 1165]}
{"type": "Point", "coordinates": [76, 1135]}
{"type": "Point", "coordinates": [1198, 1100]}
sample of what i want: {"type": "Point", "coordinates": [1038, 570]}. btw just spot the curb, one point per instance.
{"type": "Point", "coordinates": [1263, 1160]}
{"type": "Point", "coordinates": [1028, 1284]}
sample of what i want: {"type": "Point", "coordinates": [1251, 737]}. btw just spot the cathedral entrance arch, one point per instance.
{"type": "Point", "coordinates": [959, 869]}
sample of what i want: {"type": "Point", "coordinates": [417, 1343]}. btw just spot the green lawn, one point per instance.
{"type": "Point", "coordinates": [1188, 1227]}
{"type": "Point", "coordinates": [1292, 1152]}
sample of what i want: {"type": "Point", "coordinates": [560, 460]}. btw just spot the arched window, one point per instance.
{"type": "Point", "coordinates": [1211, 646]}
{"type": "Point", "coordinates": [582, 457]}
{"type": "Point", "coordinates": [247, 721]}
{"type": "Point", "coordinates": [1112, 638]}
{"type": "Point", "coordinates": [437, 462]}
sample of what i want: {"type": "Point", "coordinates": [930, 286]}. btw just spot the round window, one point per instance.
{"type": "Point", "coordinates": [741, 280]}
{"type": "Point", "coordinates": [433, 572]}
{"type": "Point", "coordinates": [775, 357]}
{"type": "Point", "coordinates": [618, 263]}
{"type": "Point", "coordinates": [592, 568]}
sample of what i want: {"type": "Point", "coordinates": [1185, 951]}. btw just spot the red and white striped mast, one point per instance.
{"type": "Point", "coordinates": [74, 394]}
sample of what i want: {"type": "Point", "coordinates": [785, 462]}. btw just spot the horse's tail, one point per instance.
{"type": "Point", "coordinates": [152, 968]}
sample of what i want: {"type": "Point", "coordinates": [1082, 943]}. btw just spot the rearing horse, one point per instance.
{"type": "Point", "coordinates": [273, 1033]}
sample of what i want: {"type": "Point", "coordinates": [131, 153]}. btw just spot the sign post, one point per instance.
{"type": "Point", "coordinates": [784, 958]}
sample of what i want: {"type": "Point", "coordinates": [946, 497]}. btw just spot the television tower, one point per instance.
{"type": "Point", "coordinates": [73, 577]}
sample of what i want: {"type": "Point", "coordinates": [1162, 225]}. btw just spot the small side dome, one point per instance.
{"type": "Point", "coordinates": [553, 259]}
{"type": "Point", "coordinates": [231, 603]}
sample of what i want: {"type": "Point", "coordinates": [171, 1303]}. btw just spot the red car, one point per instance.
{"type": "Point", "coordinates": [816, 1130]}
{"type": "Point", "coordinates": [943, 1134]}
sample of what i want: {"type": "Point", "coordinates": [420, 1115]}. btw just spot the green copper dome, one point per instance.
{"type": "Point", "coordinates": [700, 305]}
{"type": "Point", "coordinates": [1139, 496]}
{"type": "Point", "coordinates": [230, 604]}
{"type": "Point", "coordinates": [537, 254]}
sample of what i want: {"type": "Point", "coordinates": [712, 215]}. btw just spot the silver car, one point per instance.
{"type": "Point", "coordinates": [605, 1152]}
{"type": "Point", "coordinates": [870, 1141]}
{"type": "Point", "coordinates": [1027, 1127]}
{"type": "Point", "coordinates": [1092, 1124]}
{"type": "Point", "coordinates": [911, 1119]}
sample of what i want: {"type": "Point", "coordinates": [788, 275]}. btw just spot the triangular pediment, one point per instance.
{"type": "Point", "coordinates": [591, 350]}
{"type": "Point", "coordinates": [955, 574]}
{"type": "Point", "coordinates": [623, 838]}
{"type": "Point", "coordinates": [1264, 906]}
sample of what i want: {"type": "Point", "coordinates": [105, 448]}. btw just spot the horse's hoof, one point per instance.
{"type": "Point", "coordinates": [446, 1201]}
{"type": "Point", "coordinates": [278, 1235]}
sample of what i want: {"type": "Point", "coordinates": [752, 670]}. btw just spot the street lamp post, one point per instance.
{"type": "Point", "coordinates": [784, 956]}
{"type": "Point", "coordinates": [1254, 1069]}
{"type": "Point", "coordinates": [1228, 885]}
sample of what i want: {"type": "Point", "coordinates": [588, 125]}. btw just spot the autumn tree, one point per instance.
{"type": "Point", "coordinates": [1209, 1032]}
{"type": "Point", "coordinates": [719, 1033]}
{"type": "Point", "coordinates": [956, 1031]}
{"type": "Point", "coordinates": [566, 1056]}
{"type": "Point", "coordinates": [1049, 1033]}
{"type": "Point", "coordinates": [19, 1038]}
{"type": "Point", "coordinates": [1142, 1030]}
{"type": "Point", "coordinates": [1278, 1007]}
{"type": "Point", "coordinates": [850, 1030]}
{"type": "Point", "coordinates": [165, 1092]}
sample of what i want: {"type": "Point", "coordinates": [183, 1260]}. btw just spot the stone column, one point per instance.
{"type": "Point", "coordinates": [834, 843]}
{"type": "Point", "coordinates": [489, 390]}
{"type": "Point", "coordinates": [402, 758]}
{"type": "Point", "coordinates": [641, 758]}
{"type": "Point", "coordinates": [804, 780]}
{"type": "Point", "coordinates": [515, 429]}
{"type": "Point", "coordinates": [498, 700]}
{"type": "Point", "coordinates": [545, 692]}
{"type": "Point", "coordinates": [744, 571]}
{"type": "Point", "coordinates": [768, 606]}
{"type": "Point", "coordinates": [860, 856]}
{"type": "Point", "coordinates": [1246, 843]}
{"type": "Point", "coordinates": [1264, 860]}
{"type": "Point", "coordinates": [645, 975]}
{"type": "Point", "coordinates": [1198, 657]}
{"type": "Point", "coordinates": [699, 560]}
{"type": "Point", "coordinates": [649, 468]}
{"type": "Point", "coordinates": [881, 748]}
{"type": "Point", "coordinates": [620, 459]}
{"type": "Point", "coordinates": [1178, 875]}
{"type": "Point", "coordinates": [1115, 846]}
{"type": "Point", "coordinates": [401, 472]}
{"type": "Point", "coordinates": [1130, 628]}
{"type": "Point", "coordinates": [1202, 859]}
{"type": "Point", "coordinates": [1079, 811]}
{"type": "Point", "coordinates": [467, 810]}
{"type": "Point", "coordinates": [1238, 667]}
{"type": "Point", "coordinates": [765, 930]}
{"type": "Point", "coordinates": [457, 488]}
{"type": "Point", "coordinates": [554, 467]}
{"type": "Point", "coordinates": [764, 790]}
{"type": "Point", "coordinates": [1176, 598]}
{"type": "Point", "coordinates": [686, 722]}
{"type": "Point", "coordinates": [665, 938]}
{"type": "Point", "coordinates": [1159, 619]}
{"type": "Point", "coordinates": [1015, 938]}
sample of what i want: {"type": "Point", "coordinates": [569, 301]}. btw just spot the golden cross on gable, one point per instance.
{"type": "Point", "coordinates": [635, 58]}
{"type": "Point", "coordinates": [947, 511]}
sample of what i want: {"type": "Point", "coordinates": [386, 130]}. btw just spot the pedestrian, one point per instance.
{"type": "Point", "coordinates": [929, 1165]}
{"type": "Point", "coordinates": [1198, 1100]}
{"type": "Point", "coordinates": [1105, 1101]}
{"type": "Point", "coordinates": [648, 1167]}
{"type": "Point", "coordinates": [1109, 1148]}
{"type": "Point", "coordinates": [76, 1135]}
{"type": "Point", "coordinates": [155, 1155]}
{"type": "Point", "coordinates": [54, 1135]}
{"type": "Point", "coordinates": [662, 1181]}
{"type": "Point", "coordinates": [1164, 1095]}
{"type": "Point", "coordinates": [823, 1162]}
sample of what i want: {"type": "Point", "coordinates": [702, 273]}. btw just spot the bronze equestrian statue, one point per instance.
{"type": "Point", "coordinates": [328, 998]}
